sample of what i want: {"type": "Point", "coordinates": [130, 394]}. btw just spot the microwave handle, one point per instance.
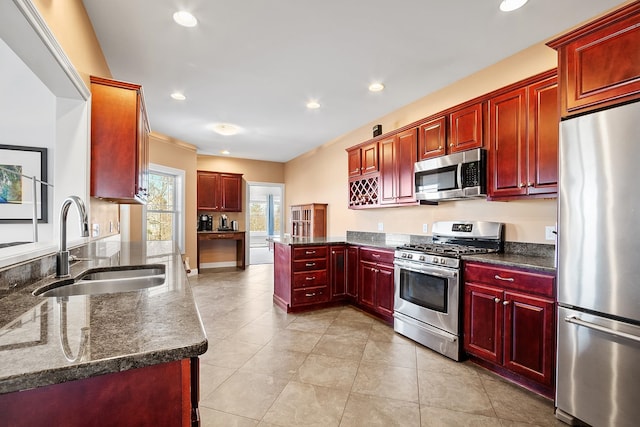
{"type": "Point", "coordinates": [460, 184]}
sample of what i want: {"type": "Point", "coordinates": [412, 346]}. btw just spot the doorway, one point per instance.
{"type": "Point", "coordinates": [265, 218]}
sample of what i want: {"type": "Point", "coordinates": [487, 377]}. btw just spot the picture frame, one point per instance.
{"type": "Point", "coordinates": [16, 190]}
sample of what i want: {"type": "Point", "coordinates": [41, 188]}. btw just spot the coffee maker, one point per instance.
{"type": "Point", "coordinates": [224, 223]}
{"type": "Point", "coordinates": [205, 223]}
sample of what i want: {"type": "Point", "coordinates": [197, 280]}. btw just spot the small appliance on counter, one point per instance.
{"type": "Point", "coordinates": [224, 223]}
{"type": "Point", "coordinates": [234, 225]}
{"type": "Point", "coordinates": [205, 223]}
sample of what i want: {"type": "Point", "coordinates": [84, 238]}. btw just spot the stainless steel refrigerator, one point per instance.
{"type": "Point", "coordinates": [598, 369]}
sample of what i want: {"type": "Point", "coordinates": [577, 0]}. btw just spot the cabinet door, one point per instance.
{"type": "Point", "coordinates": [369, 158]}
{"type": "Point", "coordinates": [337, 271]}
{"type": "Point", "coordinates": [544, 130]}
{"type": "Point", "coordinates": [529, 336]}
{"type": "Point", "coordinates": [508, 133]}
{"type": "Point", "coordinates": [406, 156]}
{"type": "Point", "coordinates": [352, 271]}
{"type": "Point", "coordinates": [432, 139]}
{"type": "Point", "coordinates": [207, 195]}
{"type": "Point", "coordinates": [483, 319]}
{"type": "Point", "coordinates": [142, 183]}
{"type": "Point", "coordinates": [230, 193]}
{"type": "Point", "coordinates": [367, 284]}
{"type": "Point", "coordinates": [354, 162]}
{"type": "Point", "coordinates": [384, 290]}
{"type": "Point", "coordinates": [388, 170]}
{"type": "Point", "coordinates": [465, 130]}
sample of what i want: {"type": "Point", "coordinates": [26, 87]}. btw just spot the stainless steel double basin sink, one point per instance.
{"type": "Point", "coordinates": [106, 280]}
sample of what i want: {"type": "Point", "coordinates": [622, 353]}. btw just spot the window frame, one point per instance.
{"type": "Point", "coordinates": [179, 203]}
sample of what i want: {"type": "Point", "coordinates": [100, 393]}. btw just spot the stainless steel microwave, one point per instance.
{"type": "Point", "coordinates": [452, 177]}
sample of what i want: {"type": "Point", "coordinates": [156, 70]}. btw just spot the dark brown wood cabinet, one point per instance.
{"type": "Point", "coordinates": [466, 128]}
{"type": "Point", "coordinates": [353, 258]}
{"type": "Point", "coordinates": [119, 142]}
{"type": "Point", "coordinates": [219, 192]}
{"type": "Point", "coordinates": [523, 139]}
{"type": "Point", "coordinates": [509, 322]}
{"type": "Point", "coordinates": [363, 159]}
{"type": "Point", "coordinates": [398, 154]}
{"type": "Point", "coordinates": [599, 63]}
{"type": "Point", "coordinates": [375, 282]}
{"type": "Point", "coordinates": [158, 395]}
{"type": "Point", "coordinates": [338, 271]}
{"type": "Point", "coordinates": [432, 138]}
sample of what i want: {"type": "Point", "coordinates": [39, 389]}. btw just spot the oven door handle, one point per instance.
{"type": "Point", "coordinates": [430, 270]}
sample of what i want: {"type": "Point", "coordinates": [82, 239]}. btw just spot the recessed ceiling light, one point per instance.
{"type": "Point", "coordinates": [178, 96]}
{"type": "Point", "coordinates": [225, 129]}
{"type": "Point", "coordinates": [312, 105]}
{"type": "Point", "coordinates": [376, 87]}
{"type": "Point", "coordinates": [225, 152]}
{"type": "Point", "coordinates": [185, 19]}
{"type": "Point", "coordinates": [509, 5]}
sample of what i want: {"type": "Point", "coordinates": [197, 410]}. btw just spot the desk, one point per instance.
{"type": "Point", "coordinates": [238, 236]}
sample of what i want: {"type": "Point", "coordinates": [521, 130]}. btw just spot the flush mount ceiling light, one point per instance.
{"type": "Point", "coordinates": [376, 87]}
{"type": "Point", "coordinates": [225, 152]}
{"type": "Point", "coordinates": [185, 19]}
{"type": "Point", "coordinates": [178, 96]}
{"type": "Point", "coordinates": [313, 105]}
{"type": "Point", "coordinates": [225, 129]}
{"type": "Point", "coordinates": [509, 5]}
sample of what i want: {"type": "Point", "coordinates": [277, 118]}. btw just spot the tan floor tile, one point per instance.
{"type": "Point", "coordinates": [211, 377]}
{"type": "Point", "coordinates": [213, 418]}
{"type": "Point", "coordinates": [339, 346]}
{"type": "Point", "coordinates": [230, 353]}
{"type": "Point", "coordinates": [293, 340]}
{"type": "Point", "coordinates": [351, 314]}
{"type": "Point", "coordinates": [328, 371]}
{"type": "Point", "coordinates": [387, 353]}
{"type": "Point", "coordinates": [371, 411]}
{"type": "Point", "coordinates": [386, 381]}
{"type": "Point", "coordinates": [429, 360]}
{"type": "Point", "coordinates": [311, 324]}
{"type": "Point", "coordinates": [255, 333]}
{"type": "Point", "coordinates": [385, 333]}
{"type": "Point", "coordinates": [440, 417]}
{"type": "Point", "coordinates": [464, 393]}
{"type": "Point", "coordinates": [246, 394]}
{"type": "Point", "coordinates": [512, 402]}
{"type": "Point", "coordinates": [276, 362]}
{"type": "Point", "coordinates": [309, 405]}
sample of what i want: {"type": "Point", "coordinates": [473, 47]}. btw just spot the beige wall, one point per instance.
{"type": "Point", "coordinates": [525, 220]}
{"type": "Point", "coordinates": [70, 24]}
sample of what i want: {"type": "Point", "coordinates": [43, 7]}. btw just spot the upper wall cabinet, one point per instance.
{"type": "Point", "coordinates": [219, 192]}
{"type": "Point", "coordinates": [397, 159]}
{"type": "Point", "coordinates": [119, 142]}
{"type": "Point", "coordinates": [523, 139]}
{"type": "Point", "coordinates": [432, 138]}
{"type": "Point", "coordinates": [363, 159]}
{"type": "Point", "coordinates": [599, 63]}
{"type": "Point", "coordinates": [465, 128]}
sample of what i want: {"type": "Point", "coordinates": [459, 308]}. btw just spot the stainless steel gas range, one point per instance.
{"type": "Point", "coordinates": [427, 282]}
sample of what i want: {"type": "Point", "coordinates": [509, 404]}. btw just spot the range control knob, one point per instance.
{"type": "Point", "coordinates": [435, 260]}
{"type": "Point", "coordinates": [443, 261]}
{"type": "Point", "coordinates": [421, 257]}
{"type": "Point", "coordinates": [404, 255]}
{"type": "Point", "coordinates": [410, 256]}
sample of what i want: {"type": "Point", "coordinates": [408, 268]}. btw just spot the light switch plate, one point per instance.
{"type": "Point", "coordinates": [380, 226]}
{"type": "Point", "coordinates": [425, 228]}
{"type": "Point", "coordinates": [95, 230]}
{"type": "Point", "coordinates": [550, 232]}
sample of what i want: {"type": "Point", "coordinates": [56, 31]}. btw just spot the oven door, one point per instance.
{"type": "Point", "coordinates": [427, 293]}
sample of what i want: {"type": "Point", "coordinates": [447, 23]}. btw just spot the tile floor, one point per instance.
{"type": "Point", "coordinates": [335, 367]}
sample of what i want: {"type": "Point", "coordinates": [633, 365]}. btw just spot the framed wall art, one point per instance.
{"type": "Point", "coordinates": [18, 166]}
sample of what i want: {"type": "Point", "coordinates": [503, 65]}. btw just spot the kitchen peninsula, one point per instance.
{"type": "Point", "coordinates": [117, 356]}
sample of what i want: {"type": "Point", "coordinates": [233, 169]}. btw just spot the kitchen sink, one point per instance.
{"type": "Point", "coordinates": [106, 280]}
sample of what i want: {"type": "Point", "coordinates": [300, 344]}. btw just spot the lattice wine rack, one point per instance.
{"type": "Point", "coordinates": [363, 192]}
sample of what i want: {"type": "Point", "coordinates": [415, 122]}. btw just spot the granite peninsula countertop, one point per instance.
{"type": "Point", "coordinates": [41, 337]}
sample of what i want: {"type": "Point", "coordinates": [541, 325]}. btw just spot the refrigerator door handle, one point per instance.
{"type": "Point", "coordinates": [576, 320]}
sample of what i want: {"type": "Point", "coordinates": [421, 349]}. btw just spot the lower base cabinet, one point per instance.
{"type": "Point", "coordinates": [375, 282]}
{"type": "Point", "coordinates": [509, 323]}
{"type": "Point", "coordinates": [158, 395]}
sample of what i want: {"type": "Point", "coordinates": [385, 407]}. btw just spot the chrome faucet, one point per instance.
{"type": "Point", "coordinates": [62, 258]}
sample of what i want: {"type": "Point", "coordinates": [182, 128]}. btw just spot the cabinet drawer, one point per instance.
{"type": "Point", "coordinates": [310, 265]}
{"type": "Point", "coordinates": [376, 255]}
{"type": "Point", "coordinates": [311, 295]}
{"type": "Point", "coordinates": [309, 252]}
{"type": "Point", "coordinates": [509, 278]}
{"type": "Point", "coordinates": [312, 278]}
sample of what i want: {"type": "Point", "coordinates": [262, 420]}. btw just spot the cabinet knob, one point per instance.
{"type": "Point", "coordinates": [451, 145]}
{"type": "Point", "coordinates": [530, 184]}
{"type": "Point", "coordinates": [440, 147]}
{"type": "Point", "coordinates": [497, 300]}
{"type": "Point", "coordinates": [505, 303]}
{"type": "Point", "coordinates": [521, 185]}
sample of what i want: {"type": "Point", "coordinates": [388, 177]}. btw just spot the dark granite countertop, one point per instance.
{"type": "Point", "coordinates": [312, 241]}
{"type": "Point", "coordinates": [41, 338]}
{"type": "Point", "coordinates": [540, 263]}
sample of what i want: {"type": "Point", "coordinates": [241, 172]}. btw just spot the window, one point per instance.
{"type": "Point", "coordinates": [165, 205]}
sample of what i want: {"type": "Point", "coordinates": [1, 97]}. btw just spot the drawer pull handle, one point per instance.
{"type": "Point", "coordinates": [311, 278]}
{"type": "Point", "coordinates": [310, 264]}
{"type": "Point", "coordinates": [312, 294]}
{"type": "Point", "coordinates": [310, 252]}
{"type": "Point", "coordinates": [497, 300]}
{"type": "Point", "coordinates": [506, 279]}
{"type": "Point", "coordinates": [375, 255]}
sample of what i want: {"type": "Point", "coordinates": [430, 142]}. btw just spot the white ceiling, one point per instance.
{"type": "Point", "coordinates": [256, 63]}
